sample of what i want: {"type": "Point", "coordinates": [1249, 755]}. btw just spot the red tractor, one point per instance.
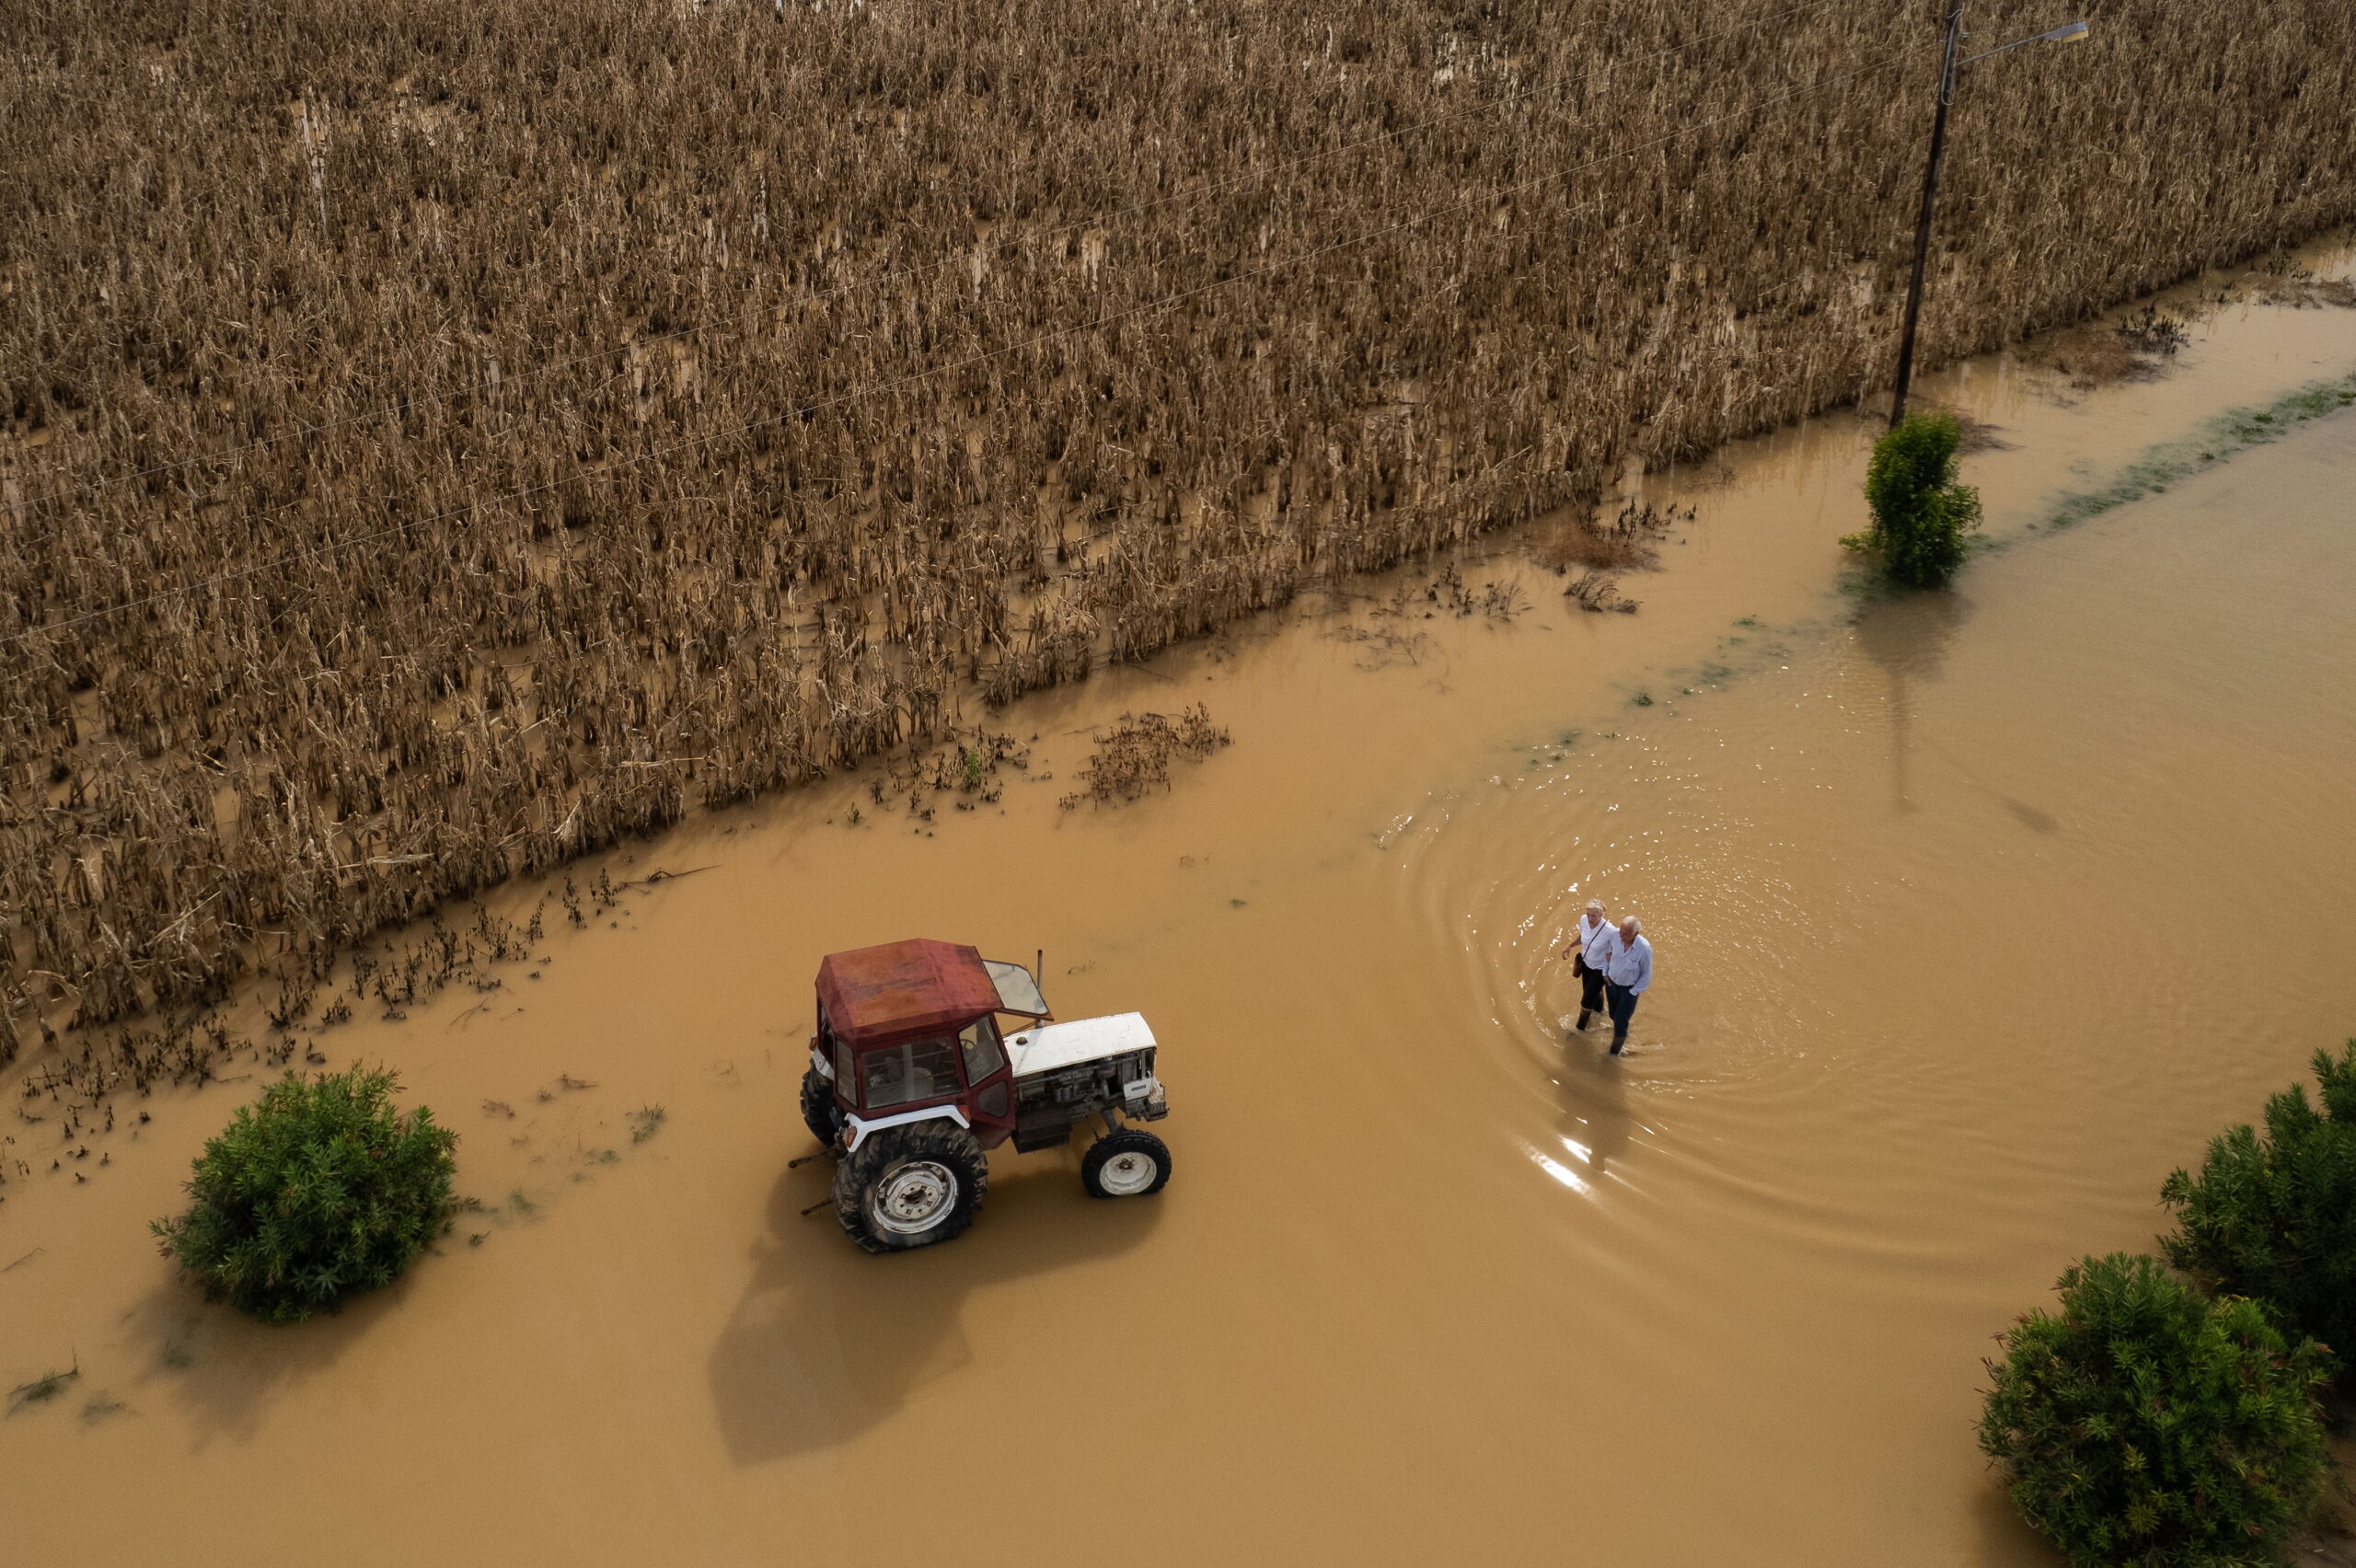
{"type": "Point", "coordinates": [911, 1080]}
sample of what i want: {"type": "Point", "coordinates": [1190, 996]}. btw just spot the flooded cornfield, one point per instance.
{"type": "Point", "coordinates": [438, 446]}
{"type": "Point", "coordinates": [1976, 915]}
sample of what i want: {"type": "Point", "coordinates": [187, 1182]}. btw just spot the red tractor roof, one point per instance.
{"type": "Point", "coordinates": [872, 994]}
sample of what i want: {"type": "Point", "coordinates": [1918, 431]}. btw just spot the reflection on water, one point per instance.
{"type": "Point", "coordinates": [1595, 1123]}
{"type": "Point", "coordinates": [1907, 635]}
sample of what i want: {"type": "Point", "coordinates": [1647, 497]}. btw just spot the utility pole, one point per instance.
{"type": "Point", "coordinates": [1922, 224]}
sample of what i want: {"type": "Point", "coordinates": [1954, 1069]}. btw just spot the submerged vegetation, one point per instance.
{"type": "Point", "coordinates": [2217, 440]}
{"type": "Point", "coordinates": [1134, 754]}
{"type": "Point", "coordinates": [438, 442]}
{"type": "Point", "coordinates": [321, 1192]}
{"type": "Point", "coordinates": [193, 1046]}
{"type": "Point", "coordinates": [41, 1390]}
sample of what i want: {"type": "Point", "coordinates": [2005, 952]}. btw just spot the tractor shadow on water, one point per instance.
{"type": "Point", "coordinates": [827, 1340]}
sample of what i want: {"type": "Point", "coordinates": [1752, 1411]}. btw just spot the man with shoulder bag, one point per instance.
{"type": "Point", "coordinates": [1586, 951]}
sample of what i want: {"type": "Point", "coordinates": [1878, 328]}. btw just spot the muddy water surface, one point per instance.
{"type": "Point", "coordinates": [1975, 915]}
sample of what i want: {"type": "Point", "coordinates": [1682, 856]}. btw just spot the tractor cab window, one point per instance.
{"type": "Point", "coordinates": [978, 1042]}
{"type": "Point", "coordinates": [903, 1075]}
{"type": "Point", "coordinates": [835, 1049]}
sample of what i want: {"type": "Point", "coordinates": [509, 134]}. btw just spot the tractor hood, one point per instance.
{"type": "Point", "coordinates": [1085, 1040]}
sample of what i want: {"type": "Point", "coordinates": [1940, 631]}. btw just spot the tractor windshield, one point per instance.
{"type": "Point", "coordinates": [1018, 990]}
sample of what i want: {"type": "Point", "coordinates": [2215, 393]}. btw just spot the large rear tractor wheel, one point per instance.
{"type": "Point", "coordinates": [819, 1111]}
{"type": "Point", "coordinates": [1128, 1163]}
{"type": "Point", "coordinates": [911, 1186]}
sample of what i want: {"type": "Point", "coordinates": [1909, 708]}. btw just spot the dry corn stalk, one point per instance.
{"type": "Point", "coordinates": [718, 395]}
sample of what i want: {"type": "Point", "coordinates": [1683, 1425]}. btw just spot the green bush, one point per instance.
{"type": "Point", "coordinates": [321, 1191]}
{"type": "Point", "coordinates": [2274, 1218]}
{"type": "Point", "coordinates": [1921, 513]}
{"type": "Point", "coordinates": [2148, 1427]}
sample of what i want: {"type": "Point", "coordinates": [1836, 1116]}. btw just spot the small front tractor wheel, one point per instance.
{"type": "Point", "coordinates": [910, 1186]}
{"type": "Point", "coordinates": [1128, 1163]}
{"type": "Point", "coordinates": [819, 1111]}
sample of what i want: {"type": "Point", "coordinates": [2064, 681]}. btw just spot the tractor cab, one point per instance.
{"type": "Point", "coordinates": [910, 1029]}
{"type": "Point", "coordinates": [911, 1082]}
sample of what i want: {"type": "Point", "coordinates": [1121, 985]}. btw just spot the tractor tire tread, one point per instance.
{"type": "Point", "coordinates": [1119, 1141]}
{"type": "Point", "coordinates": [819, 1111]}
{"type": "Point", "coordinates": [943, 1141]}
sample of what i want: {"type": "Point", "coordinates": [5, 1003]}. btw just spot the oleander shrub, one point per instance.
{"type": "Point", "coordinates": [321, 1191]}
{"type": "Point", "coordinates": [2273, 1216]}
{"type": "Point", "coordinates": [1921, 513]}
{"type": "Point", "coordinates": [2148, 1426]}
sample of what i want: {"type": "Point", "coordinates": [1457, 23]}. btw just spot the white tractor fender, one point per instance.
{"type": "Point", "coordinates": [855, 1129]}
{"type": "Point", "coordinates": [818, 1060]}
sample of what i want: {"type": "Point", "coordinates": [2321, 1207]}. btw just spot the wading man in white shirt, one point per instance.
{"type": "Point", "coordinates": [1627, 974]}
{"type": "Point", "coordinates": [1585, 949]}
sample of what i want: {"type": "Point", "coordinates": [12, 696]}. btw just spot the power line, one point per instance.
{"type": "Point", "coordinates": [755, 313]}
{"type": "Point", "coordinates": [1111, 318]}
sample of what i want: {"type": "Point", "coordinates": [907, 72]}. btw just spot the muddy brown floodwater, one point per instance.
{"type": "Point", "coordinates": [1976, 914]}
